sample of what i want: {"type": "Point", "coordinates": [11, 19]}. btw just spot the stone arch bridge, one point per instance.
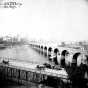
{"type": "Point", "coordinates": [71, 54]}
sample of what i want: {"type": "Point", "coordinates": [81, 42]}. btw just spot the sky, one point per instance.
{"type": "Point", "coordinates": [58, 20]}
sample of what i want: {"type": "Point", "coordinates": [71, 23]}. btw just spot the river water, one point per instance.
{"type": "Point", "coordinates": [24, 53]}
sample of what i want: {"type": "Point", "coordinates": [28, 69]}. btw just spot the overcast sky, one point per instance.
{"type": "Point", "coordinates": [47, 19]}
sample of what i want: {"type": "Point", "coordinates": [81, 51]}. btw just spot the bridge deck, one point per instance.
{"type": "Point", "coordinates": [32, 67]}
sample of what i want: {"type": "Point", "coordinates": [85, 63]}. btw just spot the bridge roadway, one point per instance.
{"type": "Point", "coordinates": [30, 66]}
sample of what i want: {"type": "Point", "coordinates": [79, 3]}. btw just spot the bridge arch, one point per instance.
{"type": "Point", "coordinates": [75, 57]}
{"type": "Point", "coordinates": [86, 59]}
{"type": "Point", "coordinates": [56, 54]}
{"type": "Point", "coordinates": [41, 49]}
{"type": "Point", "coordinates": [39, 46]}
{"type": "Point", "coordinates": [49, 51]}
{"type": "Point", "coordinates": [63, 60]}
{"type": "Point", "coordinates": [82, 58]}
{"type": "Point", "coordinates": [45, 50]}
{"type": "Point", "coordinates": [56, 50]}
{"type": "Point", "coordinates": [64, 52]}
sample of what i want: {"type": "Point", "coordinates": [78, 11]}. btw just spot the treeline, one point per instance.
{"type": "Point", "coordinates": [13, 40]}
